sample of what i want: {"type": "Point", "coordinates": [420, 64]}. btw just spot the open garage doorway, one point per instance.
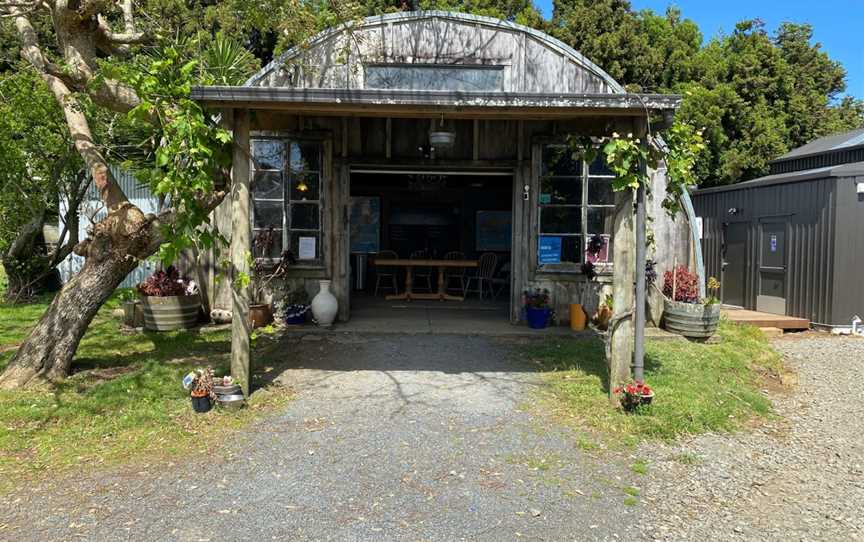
{"type": "Point", "coordinates": [430, 246]}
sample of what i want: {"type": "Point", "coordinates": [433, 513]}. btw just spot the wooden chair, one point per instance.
{"type": "Point", "coordinates": [421, 273]}
{"type": "Point", "coordinates": [485, 271]}
{"type": "Point", "coordinates": [455, 273]}
{"type": "Point", "coordinates": [386, 273]}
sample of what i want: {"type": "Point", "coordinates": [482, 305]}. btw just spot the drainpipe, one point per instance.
{"type": "Point", "coordinates": [639, 310]}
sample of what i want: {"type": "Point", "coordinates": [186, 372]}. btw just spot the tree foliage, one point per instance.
{"type": "Point", "coordinates": [756, 95]}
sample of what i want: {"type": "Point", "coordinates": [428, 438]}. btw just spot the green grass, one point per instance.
{"type": "Point", "coordinates": [125, 402]}
{"type": "Point", "coordinates": [640, 466]}
{"type": "Point", "coordinates": [698, 387]}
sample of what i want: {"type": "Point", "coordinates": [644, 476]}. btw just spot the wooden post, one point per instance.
{"type": "Point", "coordinates": [620, 349]}
{"type": "Point", "coordinates": [241, 250]}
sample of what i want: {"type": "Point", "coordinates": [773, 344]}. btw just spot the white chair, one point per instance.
{"type": "Point", "coordinates": [483, 279]}
{"type": "Point", "coordinates": [386, 273]}
{"type": "Point", "coordinates": [455, 273]}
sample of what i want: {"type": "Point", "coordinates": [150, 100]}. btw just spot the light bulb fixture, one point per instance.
{"type": "Point", "coordinates": [302, 186]}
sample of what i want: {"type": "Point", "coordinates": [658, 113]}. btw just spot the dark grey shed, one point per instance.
{"type": "Point", "coordinates": [792, 242]}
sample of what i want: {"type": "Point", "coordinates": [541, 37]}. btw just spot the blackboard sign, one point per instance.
{"type": "Point", "coordinates": [494, 230]}
{"type": "Point", "coordinates": [365, 225]}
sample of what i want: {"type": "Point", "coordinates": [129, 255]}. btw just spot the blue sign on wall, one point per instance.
{"type": "Point", "coordinates": [549, 250]}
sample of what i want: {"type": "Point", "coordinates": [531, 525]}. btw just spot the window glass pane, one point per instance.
{"type": "Point", "coordinates": [561, 220]}
{"type": "Point", "coordinates": [267, 213]}
{"type": "Point", "coordinates": [600, 192]}
{"type": "Point", "coordinates": [600, 219]}
{"type": "Point", "coordinates": [267, 185]}
{"type": "Point", "coordinates": [305, 187]}
{"type": "Point", "coordinates": [558, 160]}
{"type": "Point", "coordinates": [267, 154]}
{"type": "Point", "coordinates": [267, 243]}
{"type": "Point", "coordinates": [305, 216]}
{"type": "Point", "coordinates": [570, 246]}
{"type": "Point", "coordinates": [599, 167]}
{"type": "Point", "coordinates": [305, 156]}
{"type": "Point", "coordinates": [561, 190]}
{"type": "Point", "coordinates": [419, 77]}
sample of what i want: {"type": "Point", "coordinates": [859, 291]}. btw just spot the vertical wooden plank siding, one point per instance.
{"type": "Point", "coordinates": [241, 248]}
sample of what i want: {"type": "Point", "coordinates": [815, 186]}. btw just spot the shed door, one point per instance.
{"type": "Point", "coordinates": [772, 269]}
{"type": "Point", "coordinates": [734, 265]}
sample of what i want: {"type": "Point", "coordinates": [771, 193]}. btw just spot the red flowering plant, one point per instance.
{"type": "Point", "coordinates": [682, 286]}
{"type": "Point", "coordinates": [634, 395]}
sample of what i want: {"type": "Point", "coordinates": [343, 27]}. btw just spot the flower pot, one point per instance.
{"type": "Point", "coordinates": [646, 398]}
{"type": "Point", "coordinates": [325, 307]}
{"type": "Point", "coordinates": [133, 314]}
{"type": "Point", "coordinates": [170, 312]}
{"type": "Point", "coordinates": [693, 320]}
{"type": "Point", "coordinates": [537, 318]}
{"type": "Point", "coordinates": [604, 314]}
{"type": "Point", "coordinates": [577, 317]}
{"type": "Point", "coordinates": [201, 404]}
{"type": "Point", "coordinates": [260, 315]}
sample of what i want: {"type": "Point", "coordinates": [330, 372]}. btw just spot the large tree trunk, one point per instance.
{"type": "Point", "coordinates": [49, 349]}
{"type": "Point", "coordinates": [112, 251]}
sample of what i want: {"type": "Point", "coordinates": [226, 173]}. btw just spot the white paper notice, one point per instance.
{"type": "Point", "coordinates": [306, 248]}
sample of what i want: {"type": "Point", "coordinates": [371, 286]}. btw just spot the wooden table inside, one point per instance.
{"type": "Point", "coordinates": [409, 266]}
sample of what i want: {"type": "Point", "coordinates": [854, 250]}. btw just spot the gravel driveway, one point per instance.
{"type": "Point", "coordinates": [390, 438]}
{"type": "Point", "coordinates": [797, 478]}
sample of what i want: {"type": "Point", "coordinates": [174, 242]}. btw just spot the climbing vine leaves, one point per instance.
{"type": "Point", "coordinates": [630, 158]}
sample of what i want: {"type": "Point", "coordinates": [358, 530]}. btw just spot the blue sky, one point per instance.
{"type": "Point", "coordinates": [838, 24]}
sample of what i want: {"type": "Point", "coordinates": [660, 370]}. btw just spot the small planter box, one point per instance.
{"type": "Point", "coordinates": [538, 318]}
{"type": "Point", "coordinates": [692, 320]}
{"type": "Point", "coordinates": [170, 312]}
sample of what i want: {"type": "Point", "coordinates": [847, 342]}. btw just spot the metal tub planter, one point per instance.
{"type": "Point", "coordinates": [692, 320]}
{"type": "Point", "coordinates": [170, 312]}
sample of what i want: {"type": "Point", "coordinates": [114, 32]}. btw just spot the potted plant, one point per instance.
{"type": "Point", "coordinates": [538, 308]}
{"type": "Point", "coordinates": [684, 313]}
{"type": "Point", "coordinates": [634, 395]}
{"type": "Point", "coordinates": [264, 271]}
{"type": "Point", "coordinates": [604, 313]}
{"type": "Point", "coordinates": [201, 389]}
{"type": "Point", "coordinates": [169, 302]}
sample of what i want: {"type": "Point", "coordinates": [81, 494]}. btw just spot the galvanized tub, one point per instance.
{"type": "Point", "coordinates": [170, 312]}
{"type": "Point", "coordinates": [694, 320]}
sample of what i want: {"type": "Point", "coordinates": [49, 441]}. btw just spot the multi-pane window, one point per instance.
{"type": "Point", "coordinates": [576, 203]}
{"type": "Point", "coordinates": [287, 197]}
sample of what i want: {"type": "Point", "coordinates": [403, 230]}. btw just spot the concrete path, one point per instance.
{"type": "Point", "coordinates": [390, 438]}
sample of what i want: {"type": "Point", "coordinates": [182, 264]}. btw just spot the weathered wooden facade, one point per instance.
{"type": "Point", "coordinates": [357, 105]}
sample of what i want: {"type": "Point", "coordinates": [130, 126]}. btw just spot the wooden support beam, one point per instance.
{"type": "Point", "coordinates": [241, 249]}
{"type": "Point", "coordinates": [620, 347]}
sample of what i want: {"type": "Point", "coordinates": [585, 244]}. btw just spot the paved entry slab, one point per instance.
{"type": "Point", "coordinates": [389, 438]}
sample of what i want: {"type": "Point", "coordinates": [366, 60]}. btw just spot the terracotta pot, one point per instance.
{"type": "Point", "coordinates": [604, 314]}
{"type": "Point", "coordinates": [260, 315]}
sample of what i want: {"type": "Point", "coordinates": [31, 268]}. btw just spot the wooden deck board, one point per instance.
{"type": "Point", "coordinates": [763, 319]}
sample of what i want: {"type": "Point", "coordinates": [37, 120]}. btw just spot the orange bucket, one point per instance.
{"type": "Point", "coordinates": [578, 318]}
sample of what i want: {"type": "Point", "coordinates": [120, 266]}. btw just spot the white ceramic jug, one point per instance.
{"type": "Point", "coordinates": [325, 307]}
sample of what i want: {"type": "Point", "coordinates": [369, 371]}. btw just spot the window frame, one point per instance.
{"type": "Point", "coordinates": [584, 178]}
{"type": "Point", "coordinates": [287, 201]}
